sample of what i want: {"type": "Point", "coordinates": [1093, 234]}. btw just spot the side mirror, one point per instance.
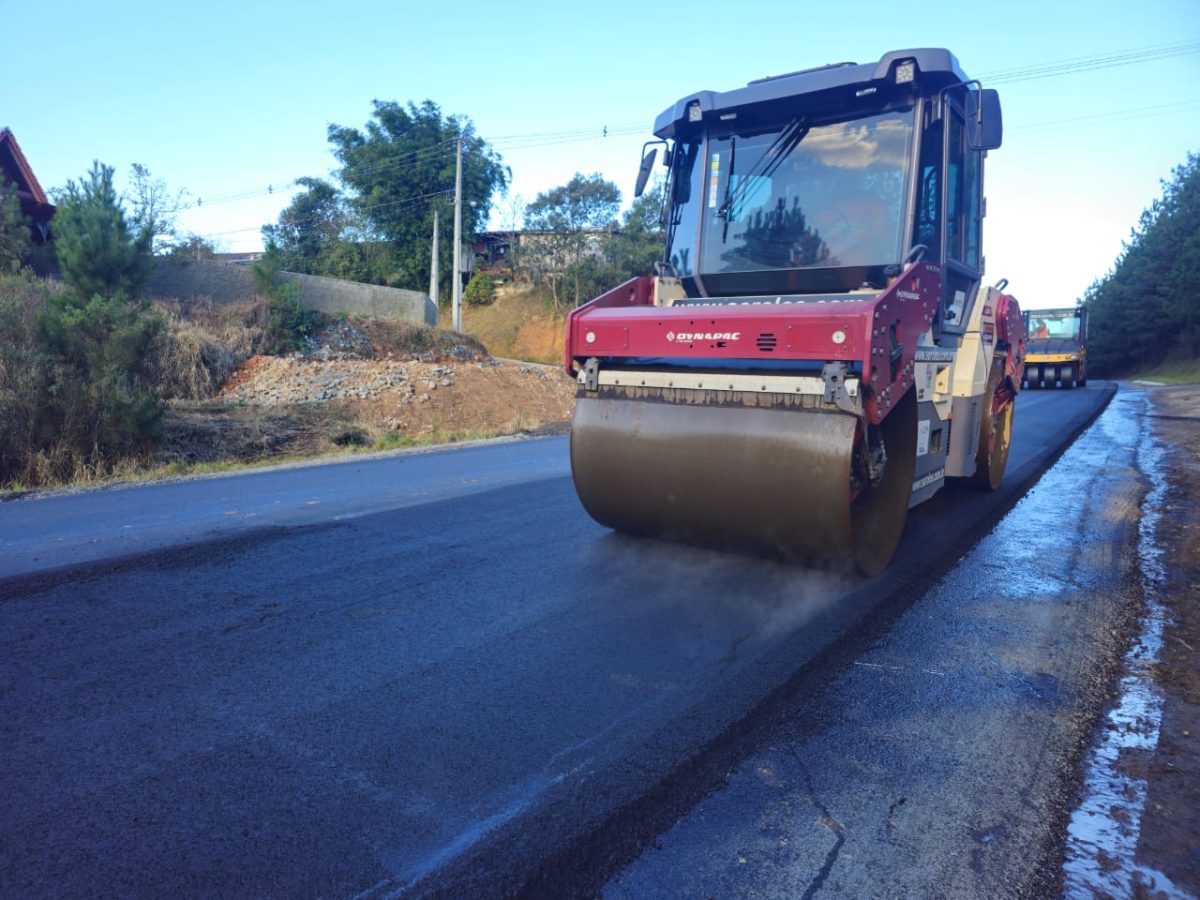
{"type": "Point", "coordinates": [985, 124]}
{"type": "Point", "coordinates": [644, 171]}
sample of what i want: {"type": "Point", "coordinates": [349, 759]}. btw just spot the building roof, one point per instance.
{"type": "Point", "coordinates": [16, 168]}
{"type": "Point", "coordinates": [15, 174]}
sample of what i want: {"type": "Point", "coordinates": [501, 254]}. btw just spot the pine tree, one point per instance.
{"type": "Point", "coordinates": [98, 253]}
{"type": "Point", "coordinates": [1143, 311]}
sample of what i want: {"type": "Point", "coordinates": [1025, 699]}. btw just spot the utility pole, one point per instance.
{"type": "Point", "coordinates": [433, 268]}
{"type": "Point", "coordinates": [458, 239]}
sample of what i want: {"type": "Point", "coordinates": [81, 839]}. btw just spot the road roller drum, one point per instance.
{"type": "Point", "coordinates": [786, 481]}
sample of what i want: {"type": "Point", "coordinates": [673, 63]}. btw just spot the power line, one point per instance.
{"type": "Point", "coordinates": [364, 211]}
{"type": "Point", "coordinates": [546, 138]}
{"type": "Point", "coordinates": [417, 157]}
{"type": "Point", "coordinates": [611, 132]}
{"type": "Point", "coordinates": [409, 160]}
{"type": "Point", "coordinates": [586, 129]}
{"type": "Point", "coordinates": [511, 142]}
{"type": "Point", "coordinates": [1120, 115]}
{"type": "Point", "coordinates": [533, 140]}
{"type": "Point", "coordinates": [1088, 63]}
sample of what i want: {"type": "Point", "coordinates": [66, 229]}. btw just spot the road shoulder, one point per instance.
{"type": "Point", "coordinates": [1170, 835]}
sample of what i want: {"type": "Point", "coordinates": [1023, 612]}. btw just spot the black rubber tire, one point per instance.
{"type": "Point", "coordinates": [879, 513]}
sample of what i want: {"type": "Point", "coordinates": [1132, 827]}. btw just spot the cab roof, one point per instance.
{"type": "Point", "coordinates": [936, 68]}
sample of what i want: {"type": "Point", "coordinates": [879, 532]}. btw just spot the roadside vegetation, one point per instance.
{"type": "Point", "coordinates": [1181, 371]}
{"type": "Point", "coordinates": [288, 323]}
{"type": "Point", "coordinates": [521, 323]}
{"type": "Point", "coordinates": [197, 351]}
{"type": "Point", "coordinates": [581, 249]}
{"type": "Point", "coordinates": [99, 381]}
{"type": "Point", "coordinates": [1144, 315]}
{"type": "Point", "coordinates": [373, 223]}
{"type": "Point", "coordinates": [77, 397]}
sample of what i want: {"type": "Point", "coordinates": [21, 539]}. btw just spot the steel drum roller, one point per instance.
{"type": "Point", "coordinates": [768, 480]}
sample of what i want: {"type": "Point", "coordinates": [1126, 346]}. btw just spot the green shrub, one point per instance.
{"type": "Point", "coordinates": [76, 394]}
{"type": "Point", "coordinates": [77, 387]}
{"type": "Point", "coordinates": [289, 323]}
{"type": "Point", "coordinates": [15, 241]}
{"type": "Point", "coordinates": [480, 290]}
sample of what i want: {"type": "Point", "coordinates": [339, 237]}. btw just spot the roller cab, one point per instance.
{"type": "Point", "coordinates": [817, 352]}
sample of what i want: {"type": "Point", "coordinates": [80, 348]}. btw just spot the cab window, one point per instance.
{"type": "Point", "coordinates": [963, 196]}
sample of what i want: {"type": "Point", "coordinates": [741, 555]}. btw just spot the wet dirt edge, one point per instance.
{"type": "Point", "coordinates": [1170, 832]}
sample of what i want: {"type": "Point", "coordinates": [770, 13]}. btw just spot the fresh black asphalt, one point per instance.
{"type": "Point", "coordinates": [426, 672]}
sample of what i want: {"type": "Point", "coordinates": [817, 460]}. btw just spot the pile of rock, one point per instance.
{"type": "Point", "coordinates": [274, 380]}
{"type": "Point", "coordinates": [340, 339]}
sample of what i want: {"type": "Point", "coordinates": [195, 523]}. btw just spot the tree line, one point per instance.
{"type": "Point", "coordinates": [373, 222]}
{"type": "Point", "coordinates": [1144, 311]}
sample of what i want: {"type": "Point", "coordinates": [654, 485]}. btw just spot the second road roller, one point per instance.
{"type": "Point", "coordinates": [817, 350]}
{"type": "Point", "coordinates": [1057, 349]}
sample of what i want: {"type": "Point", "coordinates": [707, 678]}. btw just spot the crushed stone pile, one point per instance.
{"type": "Point", "coordinates": [285, 380]}
{"type": "Point", "coordinates": [378, 377]}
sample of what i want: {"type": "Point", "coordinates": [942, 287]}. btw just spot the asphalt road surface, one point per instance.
{"type": "Point", "coordinates": [421, 673]}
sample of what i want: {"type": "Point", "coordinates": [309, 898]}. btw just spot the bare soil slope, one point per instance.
{"type": "Point", "coordinates": [518, 325]}
{"type": "Point", "coordinates": [366, 384]}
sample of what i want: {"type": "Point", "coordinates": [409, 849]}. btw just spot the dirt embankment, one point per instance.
{"type": "Point", "coordinates": [518, 324]}
{"type": "Point", "coordinates": [1170, 833]}
{"type": "Point", "coordinates": [366, 384]}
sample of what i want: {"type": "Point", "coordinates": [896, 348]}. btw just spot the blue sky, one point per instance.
{"type": "Point", "coordinates": [227, 98]}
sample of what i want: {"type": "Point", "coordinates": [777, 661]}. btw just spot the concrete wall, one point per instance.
{"type": "Point", "coordinates": [225, 283]}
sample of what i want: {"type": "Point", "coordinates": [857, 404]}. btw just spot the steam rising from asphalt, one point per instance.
{"type": "Point", "coordinates": [709, 592]}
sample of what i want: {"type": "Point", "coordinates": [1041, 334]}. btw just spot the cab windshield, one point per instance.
{"type": "Point", "coordinates": [800, 197]}
{"type": "Point", "coordinates": [1060, 325]}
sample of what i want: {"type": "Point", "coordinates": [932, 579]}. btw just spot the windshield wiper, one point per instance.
{"type": "Point", "coordinates": [728, 194]}
{"type": "Point", "coordinates": [772, 159]}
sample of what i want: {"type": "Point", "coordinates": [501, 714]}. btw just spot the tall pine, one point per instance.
{"type": "Point", "coordinates": [1144, 310]}
{"type": "Point", "coordinates": [98, 252]}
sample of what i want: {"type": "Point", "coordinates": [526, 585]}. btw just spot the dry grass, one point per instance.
{"type": "Point", "coordinates": [520, 324]}
{"type": "Point", "coordinates": [202, 343]}
{"type": "Point", "coordinates": [207, 433]}
{"type": "Point", "coordinates": [62, 465]}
